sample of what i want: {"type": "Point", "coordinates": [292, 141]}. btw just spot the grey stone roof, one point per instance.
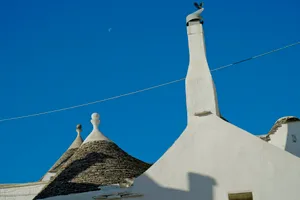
{"type": "Point", "coordinates": [71, 150]}
{"type": "Point", "coordinates": [62, 160]}
{"type": "Point", "coordinates": [94, 164]}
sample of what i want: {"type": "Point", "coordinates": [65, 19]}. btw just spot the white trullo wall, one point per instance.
{"type": "Point", "coordinates": [20, 191]}
{"type": "Point", "coordinates": [213, 158]}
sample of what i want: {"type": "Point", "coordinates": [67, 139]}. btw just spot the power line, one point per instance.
{"type": "Point", "coordinates": [257, 56]}
{"type": "Point", "coordinates": [146, 89]}
{"type": "Point", "coordinates": [94, 102]}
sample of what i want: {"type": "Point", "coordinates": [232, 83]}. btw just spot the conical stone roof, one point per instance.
{"type": "Point", "coordinates": [66, 156]}
{"type": "Point", "coordinates": [97, 162]}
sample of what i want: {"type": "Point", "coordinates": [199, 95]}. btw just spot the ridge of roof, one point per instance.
{"type": "Point", "coordinates": [281, 121]}
{"type": "Point", "coordinates": [277, 125]}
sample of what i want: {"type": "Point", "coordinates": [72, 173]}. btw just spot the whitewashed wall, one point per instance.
{"type": "Point", "coordinates": [20, 191]}
{"type": "Point", "coordinates": [213, 158]}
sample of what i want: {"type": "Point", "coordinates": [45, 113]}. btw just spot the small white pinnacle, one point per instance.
{"type": "Point", "coordinates": [95, 120]}
{"type": "Point", "coordinates": [95, 116]}
{"type": "Point", "coordinates": [95, 135]}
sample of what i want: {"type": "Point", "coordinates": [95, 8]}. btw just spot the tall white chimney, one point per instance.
{"type": "Point", "coordinates": [201, 97]}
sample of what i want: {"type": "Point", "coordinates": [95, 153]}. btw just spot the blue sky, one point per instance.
{"type": "Point", "coordinates": [60, 53]}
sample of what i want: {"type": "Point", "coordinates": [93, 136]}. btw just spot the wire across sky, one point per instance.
{"type": "Point", "coordinates": [145, 89]}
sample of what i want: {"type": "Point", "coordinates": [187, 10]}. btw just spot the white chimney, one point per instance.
{"type": "Point", "coordinates": [201, 95]}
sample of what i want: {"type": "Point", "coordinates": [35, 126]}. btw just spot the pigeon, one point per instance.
{"type": "Point", "coordinates": [198, 6]}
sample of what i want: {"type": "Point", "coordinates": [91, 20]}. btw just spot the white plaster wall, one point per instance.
{"type": "Point", "coordinates": [293, 145]}
{"type": "Point", "coordinates": [21, 191]}
{"type": "Point", "coordinates": [278, 138]}
{"type": "Point", "coordinates": [213, 158]}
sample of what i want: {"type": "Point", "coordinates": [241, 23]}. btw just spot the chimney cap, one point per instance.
{"type": "Point", "coordinates": [195, 15]}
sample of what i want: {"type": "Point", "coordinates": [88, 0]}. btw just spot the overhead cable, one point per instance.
{"type": "Point", "coordinates": [145, 89]}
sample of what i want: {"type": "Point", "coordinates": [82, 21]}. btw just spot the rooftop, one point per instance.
{"type": "Point", "coordinates": [97, 162]}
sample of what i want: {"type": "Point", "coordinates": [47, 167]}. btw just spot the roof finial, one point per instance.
{"type": "Point", "coordinates": [95, 135]}
{"type": "Point", "coordinates": [95, 120]}
{"type": "Point", "coordinates": [79, 129]}
{"type": "Point", "coordinates": [78, 140]}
